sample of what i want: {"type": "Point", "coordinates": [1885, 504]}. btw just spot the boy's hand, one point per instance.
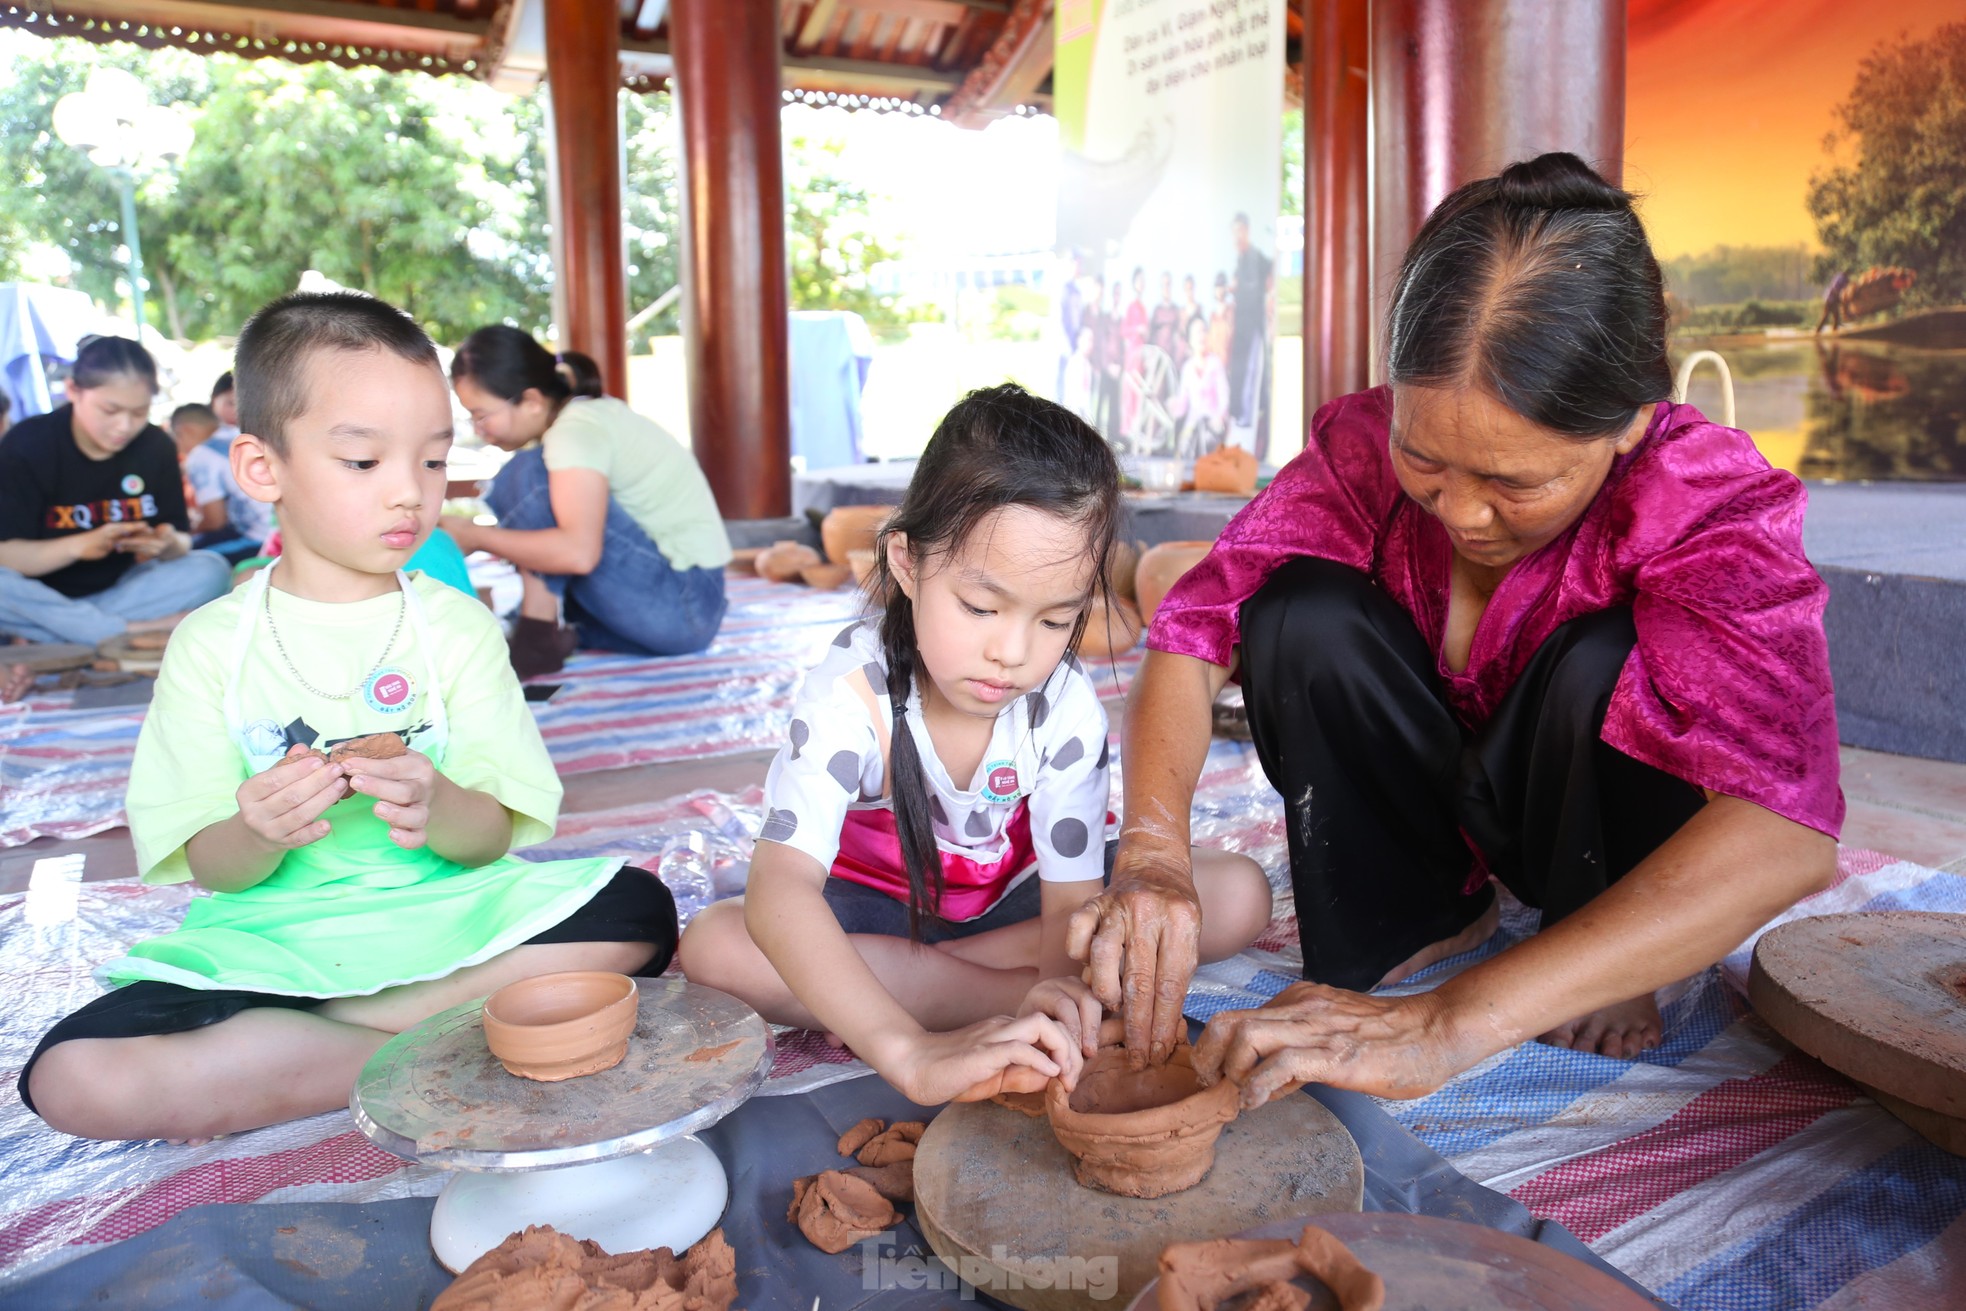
{"type": "Point", "coordinates": [99, 542]}
{"type": "Point", "coordinates": [402, 787]}
{"type": "Point", "coordinates": [1068, 1000]}
{"type": "Point", "coordinates": [282, 806]}
{"type": "Point", "coordinates": [146, 543]}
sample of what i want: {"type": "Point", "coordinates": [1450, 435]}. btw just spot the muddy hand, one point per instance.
{"type": "Point", "coordinates": [1140, 941]}
{"type": "Point", "coordinates": [1308, 1033]}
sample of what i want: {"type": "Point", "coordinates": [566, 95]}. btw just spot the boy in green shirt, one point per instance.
{"type": "Point", "coordinates": [351, 898]}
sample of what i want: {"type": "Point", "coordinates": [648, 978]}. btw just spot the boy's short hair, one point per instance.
{"type": "Point", "coordinates": [196, 413]}
{"type": "Point", "coordinates": [223, 385]}
{"type": "Point", "coordinates": [276, 344]}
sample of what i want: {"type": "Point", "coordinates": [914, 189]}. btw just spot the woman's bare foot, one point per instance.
{"type": "Point", "coordinates": [1620, 1032]}
{"type": "Point", "coordinates": [14, 682]}
{"type": "Point", "coordinates": [1466, 940]}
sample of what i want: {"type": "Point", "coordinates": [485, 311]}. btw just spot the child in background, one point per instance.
{"type": "Point", "coordinates": [349, 900]}
{"type": "Point", "coordinates": [939, 810]}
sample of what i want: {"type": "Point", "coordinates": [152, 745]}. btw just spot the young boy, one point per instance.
{"type": "Point", "coordinates": [223, 518]}
{"type": "Point", "coordinates": [351, 898]}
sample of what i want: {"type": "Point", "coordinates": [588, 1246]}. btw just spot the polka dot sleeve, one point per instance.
{"type": "Point", "coordinates": [1068, 805]}
{"type": "Point", "coordinates": [830, 759]}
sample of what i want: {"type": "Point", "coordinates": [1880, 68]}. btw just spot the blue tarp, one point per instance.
{"type": "Point", "coordinates": [39, 326]}
{"type": "Point", "coordinates": [831, 351]}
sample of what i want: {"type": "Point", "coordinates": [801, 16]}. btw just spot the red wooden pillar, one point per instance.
{"type": "Point", "coordinates": [1338, 330]}
{"type": "Point", "coordinates": [735, 298]}
{"type": "Point", "coordinates": [583, 68]}
{"type": "Point", "coordinates": [1463, 88]}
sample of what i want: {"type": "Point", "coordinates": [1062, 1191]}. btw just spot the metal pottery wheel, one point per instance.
{"type": "Point", "coordinates": [995, 1195]}
{"type": "Point", "coordinates": [1432, 1264]}
{"type": "Point", "coordinates": [1881, 997]}
{"type": "Point", "coordinates": [607, 1156]}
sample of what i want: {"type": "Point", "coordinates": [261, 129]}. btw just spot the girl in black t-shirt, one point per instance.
{"type": "Point", "coordinates": [93, 530]}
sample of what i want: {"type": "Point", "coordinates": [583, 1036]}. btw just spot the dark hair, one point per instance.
{"type": "Point", "coordinates": [223, 385]}
{"type": "Point", "coordinates": [1539, 287]}
{"type": "Point", "coordinates": [505, 362]}
{"type": "Point", "coordinates": [277, 343]}
{"type": "Point", "coordinates": [196, 413]}
{"type": "Point", "coordinates": [583, 375]}
{"type": "Point", "coordinates": [104, 359]}
{"type": "Point", "coordinates": [1000, 446]}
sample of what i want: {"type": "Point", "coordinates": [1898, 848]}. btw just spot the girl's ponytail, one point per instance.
{"type": "Point", "coordinates": [907, 789]}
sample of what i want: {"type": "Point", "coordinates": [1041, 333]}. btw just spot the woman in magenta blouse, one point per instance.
{"type": "Point", "coordinates": [1514, 616]}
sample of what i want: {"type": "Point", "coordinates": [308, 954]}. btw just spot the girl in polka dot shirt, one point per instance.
{"type": "Point", "coordinates": [938, 811]}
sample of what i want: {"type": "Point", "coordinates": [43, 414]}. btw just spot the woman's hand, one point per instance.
{"type": "Point", "coordinates": [402, 787]}
{"type": "Point", "coordinates": [463, 530]}
{"type": "Point", "coordinates": [1068, 1001]}
{"type": "Point", "coordinates": [971, 1063]}
{"type": "Point", "coordinates": [1141, 941]}
{"type": "Point", "coordinates": [1308, 1033]}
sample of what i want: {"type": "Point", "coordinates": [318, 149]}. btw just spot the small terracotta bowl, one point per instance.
{"type": "Point", "coordinates": [1140, 1134]}
{"type": "Point", "coordinates": [561, 1026]}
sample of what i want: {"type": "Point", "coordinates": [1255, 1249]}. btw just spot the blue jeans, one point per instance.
{"type": "Point", "coordinates": [634, 600]}
{"type": "Point", "coordinates": [31, 609]}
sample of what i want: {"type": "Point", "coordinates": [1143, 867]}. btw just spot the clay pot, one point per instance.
{"type": "Point", "coordinates": [1228, 469]}
{"type": "Point", "coordinates": [1112, 627]}
{"type": "Point", "coordinates": [852, 528]}
{"type": "Point", "coordinates": [861, 561]}
{"type": "Point", "coordinates": [561, 1026]}
{"type": "Point", "coordinates": [1143, 1133]}
{"type": "Point", "coordinates": [1160, 568]}
{"type": "Point", "coordinates": [825, 577]}
{"type": "Point", "coordinates": [783, 562]}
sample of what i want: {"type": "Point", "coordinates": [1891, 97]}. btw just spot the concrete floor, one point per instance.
{"type": "Point", "coordinates": [1904, 807]}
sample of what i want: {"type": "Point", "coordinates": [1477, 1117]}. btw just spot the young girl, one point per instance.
{"type": "Point", "coordinates": [350, 899]}
{"type": "Point", "coordinates": [939, 810]}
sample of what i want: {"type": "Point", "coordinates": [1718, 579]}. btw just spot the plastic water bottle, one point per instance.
{"type": "Point", "coordinates": [685, 868]}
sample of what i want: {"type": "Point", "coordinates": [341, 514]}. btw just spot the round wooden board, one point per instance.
{"type": "Point", "coordinates": [130, 657]}
{"type": "Point", "coordinates": [1433, 1264]}
{"type": "Point", "coordinates": [1878, 995]}
{"type": "Point", "coordinates": [994, 1194]}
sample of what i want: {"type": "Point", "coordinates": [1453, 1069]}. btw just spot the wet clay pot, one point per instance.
{"type": "Point", "coordinates": [783, 562]}
{"type": "Point", "coordinates": [561, 1026]}
{"type": "Point", "coordinates": [1143, 1133]}
{"type": "Point", "coordinates": [1161, 567]}
{"type": "Point", "coordinates": [862, 564]}
{"type": "Point", "coordinates": [852, 528]}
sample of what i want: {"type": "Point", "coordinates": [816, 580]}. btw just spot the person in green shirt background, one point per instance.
{"type": "Point", "coordinates": [608, 518]}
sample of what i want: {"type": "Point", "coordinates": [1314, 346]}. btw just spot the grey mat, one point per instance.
{"type": "Point", "coordinates": [376, 1256]}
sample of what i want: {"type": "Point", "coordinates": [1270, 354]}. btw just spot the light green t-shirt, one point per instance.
{"type": "Point", "coordinates": [654, 477]}
{"type": "Point", "coordinates": [187, 770]}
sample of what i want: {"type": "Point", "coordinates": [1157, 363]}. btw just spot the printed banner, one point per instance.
{"type": "Point", "coordinates": [1170, 117]}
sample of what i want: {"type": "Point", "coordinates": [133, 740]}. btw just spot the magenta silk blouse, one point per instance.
{"type": "Point", "coordinates": [1728, 687]}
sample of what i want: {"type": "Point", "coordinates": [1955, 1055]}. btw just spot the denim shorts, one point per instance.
{"type": "Point", "coordinates": [861, 909]}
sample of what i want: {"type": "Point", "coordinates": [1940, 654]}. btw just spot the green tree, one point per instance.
{"type": "Point", "coordinates": [832, 238]}
{"type": "Point", "coordinates": [1902, 198]}
{"type": "Point", "coordinates": [652, 209]}
{"type": "Point", "coordinates": [1293, 162]}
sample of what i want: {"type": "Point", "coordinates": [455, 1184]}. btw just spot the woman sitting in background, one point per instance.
{"type": "Point", "coordinates": [607, 516]}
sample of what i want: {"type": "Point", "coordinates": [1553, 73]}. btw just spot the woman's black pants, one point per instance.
{"type": "Point", "coordinates": [1380, 779]}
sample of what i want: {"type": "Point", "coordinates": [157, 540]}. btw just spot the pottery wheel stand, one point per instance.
{"type": "Point", "coordinates": [994, 1191]}
{"type": "Point", "coordinates": [1881, 997]}
{"type": "Point", "coordinates": [609, 1157]}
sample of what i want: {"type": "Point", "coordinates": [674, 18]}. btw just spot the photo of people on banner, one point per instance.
{"type": "Point", "coordinates": [1164, 315]}
{"type": "Point", "coordinates": [1172, 375]}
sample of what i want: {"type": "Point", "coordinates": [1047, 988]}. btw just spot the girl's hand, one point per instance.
{"type": "Point", "coordinates": [939, 1067]}
{"type": "Point", "coordinates": [1067, 1000]}
{"type": "Point", "coordinates": [1308, 1033]}
{"type": "Point", "coordinates": [402, 787]}
{"type": "Point", "coordinates": [282, 805]}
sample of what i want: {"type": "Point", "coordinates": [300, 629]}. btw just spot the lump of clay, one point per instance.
{"type": "Point", "coordinates": [1025, 1103]}
{"type": "Point", "coordinates": [783, 562]}
{"type": "Point", "coordinates": [542, 1267]}
{"type": "Point", "coordinates": [376, 746]}
{"type": "Point", "coordinates": [835, 1210]}
{"type": "Point", "coordinates": [1228, 469]}
{"type": "Point", "coordinates": [895, 1181]}
{"type": "Point", "coordinates": [1140, 1133]}
{"type": "Point", "coordinates": [860, 1135]}
{"type": "Point", "coordinates": [897, 1144]}
{"type": "Point", "coordinates": [1204, 1276]}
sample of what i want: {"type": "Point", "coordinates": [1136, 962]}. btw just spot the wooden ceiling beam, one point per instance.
{"type": "Point", "coordinates": [331, 21]}
{"type": "Point", "coordinates": [824, 73]}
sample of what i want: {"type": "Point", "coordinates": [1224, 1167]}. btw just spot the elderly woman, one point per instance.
{"type": "Point", "coordinates": [1514, 617]}
{"type": "Point", "coordinates": [608, 518]}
